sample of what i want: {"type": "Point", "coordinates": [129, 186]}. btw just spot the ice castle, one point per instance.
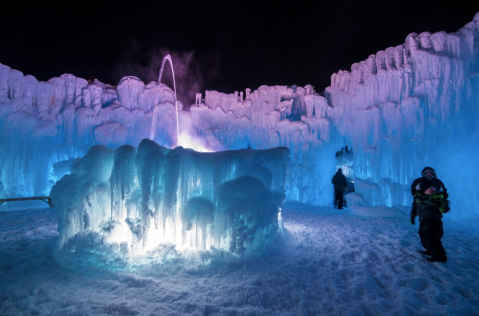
{"type": "Point", "coordinates": [401, 109]}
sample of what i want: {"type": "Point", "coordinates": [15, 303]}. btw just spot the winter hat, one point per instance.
{"type": "Point", "coordinates": [340, 170]}
{"type": "Point", "coordinates": [428, 169]}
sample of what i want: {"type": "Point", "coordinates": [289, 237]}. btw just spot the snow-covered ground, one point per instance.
{"type": "Point", "coordinates": [326, 262]}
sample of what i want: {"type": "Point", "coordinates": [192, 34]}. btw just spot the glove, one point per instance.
{"type": "Point", "coordinates": [413, 219]}
{"type": "Point", "coordinates": [445, 208]}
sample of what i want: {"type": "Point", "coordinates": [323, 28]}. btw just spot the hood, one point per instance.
{"type": "Point", "coordinates": [429, 169]}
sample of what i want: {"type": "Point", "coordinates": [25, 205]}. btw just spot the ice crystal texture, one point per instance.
{"type": "Point", "coordinates": [130, 201]}
{"type": "Point", "coordinates": [404, 108]}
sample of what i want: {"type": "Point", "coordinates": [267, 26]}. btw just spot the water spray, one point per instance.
{"type": "Point", "coordinates": [155, 111]}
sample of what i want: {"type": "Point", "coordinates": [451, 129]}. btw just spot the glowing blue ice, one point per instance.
{"type": "Point", "coordinates": [401, 109]}
{"type": "Point", "coordinates": [130, 202]}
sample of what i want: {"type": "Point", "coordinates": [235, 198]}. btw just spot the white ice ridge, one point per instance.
{"type": "Point", "coordinates": [129, 201]}
{"type": "Point", "coordinates": [402, 109]}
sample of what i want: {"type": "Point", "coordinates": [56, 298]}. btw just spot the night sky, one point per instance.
{"type": "Point", "coordinates": [216, 46]}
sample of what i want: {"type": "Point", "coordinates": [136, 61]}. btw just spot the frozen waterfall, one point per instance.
{"type": "Point", "coordinates": [129, 202]}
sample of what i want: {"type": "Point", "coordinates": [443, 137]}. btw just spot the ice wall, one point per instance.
{"type": "Point", "coordinates": [129, 202]}
{"type": "Point", "coordinates": [57, 121]}
{"type": "Point", "coordinates": [44, 123]}
{"type": "Point", "coordinates": [292, 117]}
{"type": "Point", "coordinates": [411, 106]}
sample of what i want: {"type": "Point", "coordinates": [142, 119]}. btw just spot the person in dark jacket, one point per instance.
{"type": "Point", "coordinates": [429, 206]}
{"type": "Point", "coordinates": [429, 173]}
{"type": "Point", "coordinates": [340, 184]}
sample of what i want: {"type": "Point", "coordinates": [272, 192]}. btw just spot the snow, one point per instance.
{"type": "Point", "coordinates": [326, 262]}
{"type": "Point", "coordinates": [359, 206]}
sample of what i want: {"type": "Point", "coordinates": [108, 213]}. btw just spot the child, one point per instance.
{"type": "Point", "coordinates": [430, 206]}
{"type": "Point", "coordinates": [430, 174]}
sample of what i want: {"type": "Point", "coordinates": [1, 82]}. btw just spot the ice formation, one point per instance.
{"type": "Point", "coordinates": [129, 202]}
{"type": "Point", "coordinates": [411, 106]}
{"type": "Point", "coordinates": [155, 115]}
{"type": "Point", "coordinates": [400, 110]}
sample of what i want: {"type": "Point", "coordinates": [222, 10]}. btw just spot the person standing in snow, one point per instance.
{"type": "Point", "coordinates": [430, 174]}
{"type": "Point", "coordinates": [429, 206]}
{"type": "Point", "coordinates": [340, 184]}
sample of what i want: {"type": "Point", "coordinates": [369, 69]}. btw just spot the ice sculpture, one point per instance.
{"type": "Point", "coordinates": [129, 201]}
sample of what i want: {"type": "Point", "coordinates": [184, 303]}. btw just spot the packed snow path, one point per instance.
{"type": "Point", "coordinates": [327, 262]}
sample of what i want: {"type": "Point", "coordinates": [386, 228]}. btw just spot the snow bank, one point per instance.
{"type": "Point", "coordinates": [128, 202]}
{"type": "Point", "coordinates": [358, 205]}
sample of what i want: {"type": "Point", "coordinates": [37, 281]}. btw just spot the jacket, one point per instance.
{"type": "Point", "coordinates": [339, 181]}
{"type": "Point", "coordinates": [440, 187]}
{"type": "Point", "coordinates": [429, 207]}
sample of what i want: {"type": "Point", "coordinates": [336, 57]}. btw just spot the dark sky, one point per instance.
{"type": "Point", "coordinates": [225, 46]}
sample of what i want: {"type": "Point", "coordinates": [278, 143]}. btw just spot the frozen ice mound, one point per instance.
{"type": "Point", "coordinates": [358, 205]}
{"type": "Point", "coordinates": [129, 202]}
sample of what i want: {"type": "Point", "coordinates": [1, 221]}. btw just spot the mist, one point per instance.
{"type": "Point", "coordinates": [192, 70]}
